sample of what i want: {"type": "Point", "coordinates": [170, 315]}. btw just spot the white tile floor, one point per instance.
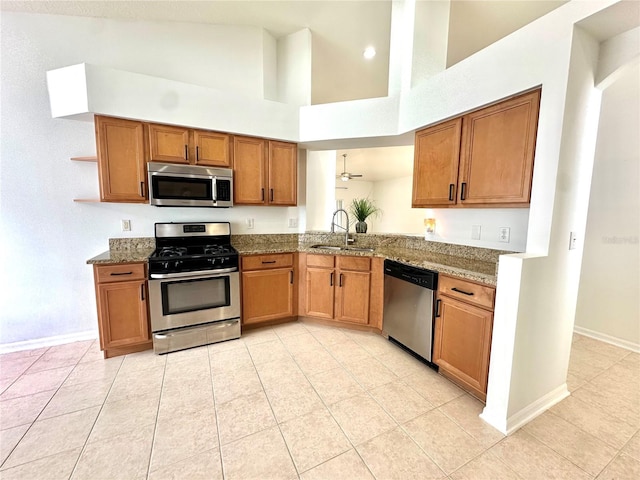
{"type": "Point", "coordinates": [300, 401]}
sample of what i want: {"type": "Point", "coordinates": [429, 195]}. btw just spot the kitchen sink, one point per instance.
{"type": "Point", "coordinates": [336, 247]}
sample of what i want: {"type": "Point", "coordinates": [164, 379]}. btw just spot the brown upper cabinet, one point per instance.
{"type": "Point", "coordinates": [121, 160]}
{"type": "Point", "coordinates": [183, 145]}
{"type": "Point", "coordinates": [481, 159]}
{"type": "Point", "coordinates": [265, 172]}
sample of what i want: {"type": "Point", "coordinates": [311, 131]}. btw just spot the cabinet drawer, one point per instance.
{"type": "Point", "coordinates": [120, 273]}
{"type": "Point", "coordinates": [259, 262]}
{"type": "Point", "coordinates": [474, 293]}
{"type": "Point", "coordinates": [322, 261]}
{"type": "Point", "coordinates": [362, 264]}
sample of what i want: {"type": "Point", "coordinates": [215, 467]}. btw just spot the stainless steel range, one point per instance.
{"type": "Point", "coordinates": [194, 286]}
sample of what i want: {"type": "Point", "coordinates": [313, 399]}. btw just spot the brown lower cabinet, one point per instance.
{"type": "Point", "coordinates": [462, 337]}
{"type": "Point", "coordinates": [123, 321]}
{"type": "Point", "coordinates": [268, 288]}
{"type": "Point", "coordinates": [344, 289]}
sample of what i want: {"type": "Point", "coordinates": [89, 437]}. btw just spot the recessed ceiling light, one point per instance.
{"type": "Point", "coordinates": [369, 52]}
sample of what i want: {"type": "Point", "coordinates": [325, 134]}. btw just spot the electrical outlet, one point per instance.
{"type": "Point", "coordinates": [126, 225]}
{"type": "Point", "coordinates": [475, 232]}
{"type": "Point", "coordinates": [504, 233]}
{"type": "Point", "coordinates": [249, 222]}
{"type": "Point", "coordinates": [573, 239]}
{"type": "Point", "coordinates": [293, 223]}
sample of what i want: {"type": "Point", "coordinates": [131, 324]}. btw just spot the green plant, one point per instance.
{"type": "Point", "coordinates": [361, 208]}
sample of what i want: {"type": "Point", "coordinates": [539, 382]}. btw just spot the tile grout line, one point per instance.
{"type": "Point", "coordinates": [328, 409]}
{"type": "Point", "coordinates": [215, 412]}
{"type": "Point", "coordinates": [295, 467]}
{"type": "Point", "coordinates": [84, 446]}
{"type": "Point", "coordinates": [155, 425]}
{"type": "Point", "coordinates": [43, 408]}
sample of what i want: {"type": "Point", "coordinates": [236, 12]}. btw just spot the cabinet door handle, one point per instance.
{"type": "Point", "coordinates": [271, 195]}
{"type": "Point", "coordinates": [114, 274]}
{"type": "Point", "coordinates": [263, 194]}
{"type": "Point", "coordinates": [451, 187]}
{"type": "Point", "coordinates": [340, 280]}
{"type": "Point", "coordinates": [142, 189]}
{"type": "Point", "coordinates": [197, 153]}
{"type": "Point", "coordinates": [186, 152]}
{"type": "Point", "coordinates": [142, 292]}
{"type": "Point", "coordinates": [462, 291]}
{"type": "Point", "coordinates": [438, 301]}
{"type": "Point", "coordinates": [291, 277]}
{"type": "Point", "coordinates": [463, 191]}
{"type": "Point", "coordinates": [331, 280]}
{"type": "Point", "coordinates": [270, 261]}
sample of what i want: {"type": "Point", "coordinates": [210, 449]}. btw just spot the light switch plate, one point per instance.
{"type": "Point", "coordinates": [126, 225]}
{"type": "Point", "coordinates": [293, 223]}
{"type": "Point", "coordinates": [475, 232]}
{"type": "Point", "coordinates": [249, 222]}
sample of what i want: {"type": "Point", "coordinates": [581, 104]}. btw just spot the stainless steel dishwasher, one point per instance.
{"type": "Point", "coordinates": [408, 306]}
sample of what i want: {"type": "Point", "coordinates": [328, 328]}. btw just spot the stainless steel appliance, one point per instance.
{"type": "Point", "coordinates": [194, 286]}
{"type": "Point", "coordinates": [172, 185]}
{"type": "Point", "coordinates": [408, 306]}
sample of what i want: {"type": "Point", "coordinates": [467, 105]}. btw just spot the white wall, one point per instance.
{"type": "Point", "coordinates": [294, 68]}
{"type": "Point", "coordinates": [469, 29]}
{"type": "Point", "coordinates": [47, 287]}
{"type": "Point", "coordinates": [430, 39]}
{"type": "Point", "coordinates": [608, 304]}
{"type": "Point", "coordinates": [320, 193]}
{"type": "Point", "coordinates": [394, 198]}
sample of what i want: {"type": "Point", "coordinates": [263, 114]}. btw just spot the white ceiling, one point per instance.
{"type": "Point", "coordinates": [341, 30]}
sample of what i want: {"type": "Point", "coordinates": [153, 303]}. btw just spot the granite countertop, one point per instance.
{"type": "Point", "coordinates": [483, 269]}
{"type": "Point", "coordinates": [264, 249]}
{"type": "Point", "coordinates": [478, 270]}
{"type": "Point", "coordinates": [121, 256]}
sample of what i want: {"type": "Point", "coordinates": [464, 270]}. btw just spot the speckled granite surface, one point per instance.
{"type": "Point", "coordinates": [121, 256]}
{"type": "Point", "coordinates": [473, 263]}
{"type": "Point", "coordinates": [257, 244]}
{"type": "Point", "coordinates": [126, 250]}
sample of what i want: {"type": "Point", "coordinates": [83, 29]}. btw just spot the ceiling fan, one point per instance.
{"type": "Point", "coordinates": [346, 176]}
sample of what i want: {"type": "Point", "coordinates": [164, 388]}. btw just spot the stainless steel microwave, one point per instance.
{"type": "Point", "coordinates": [172, 185]}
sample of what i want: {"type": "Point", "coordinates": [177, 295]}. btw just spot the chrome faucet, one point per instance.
{"type": "Point", "coordinates": [334, 224]}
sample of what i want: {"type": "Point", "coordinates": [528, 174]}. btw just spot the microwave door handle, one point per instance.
{"type": "Point", "coordinates": [214, 189]}
{"type": "Point", "coordinates": [177, 175]}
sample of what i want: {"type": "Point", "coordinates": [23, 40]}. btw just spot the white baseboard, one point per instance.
{"type": "Point", "coordinates": [618, 342]}
{"type": "Point", "coordinates": [48, 341]}
{"type": "Point", "coordinates": [509, 425]}
{"type": "Point", "coordinates": [536, 408]}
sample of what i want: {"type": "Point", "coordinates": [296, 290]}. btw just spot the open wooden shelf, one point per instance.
{"type": "Point", "coordinates": [85, 159]}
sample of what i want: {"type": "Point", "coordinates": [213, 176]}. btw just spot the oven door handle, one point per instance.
{"type": "Point", "coordinates": [199, 274]}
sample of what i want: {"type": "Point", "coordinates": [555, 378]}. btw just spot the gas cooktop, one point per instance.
{"type": "Point", "coordinates": [192, 247]}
